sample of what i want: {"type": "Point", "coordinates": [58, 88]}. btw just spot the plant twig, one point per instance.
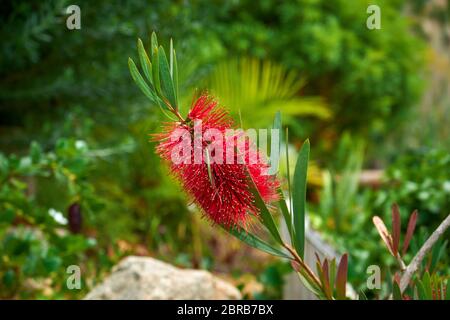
{"type": "Point", "coordinates": [417, 260]}
{"type": "Point", "coordinates": [302, 263]}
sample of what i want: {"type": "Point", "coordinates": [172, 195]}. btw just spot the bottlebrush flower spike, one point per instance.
{"type": "Point", "coordinates": [222, 190]}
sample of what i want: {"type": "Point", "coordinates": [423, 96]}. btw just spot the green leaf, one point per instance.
{"type": "Point", "coordinates": [266, 217]}
{"type": "Point", "coordinates": [307, 280]}
{"type": "Point", "coordinates": [299, 198]}
{"type": "Point", "coordinates": [146, 65]}
{"type": "Point", "coordinates": [332, 273]}
{"type": "Point", "coordinates": [175, 75]}
{"type": "Point", "coordinates": [447, 291]}
{"type": "Point", "coordinates": [415, 293]}
{"type": "Point", "coordinates": [421, 291]}
{"type": "Point", "coordinates": [397, 294]}
{"type": "Point", "coordinates": [155, 70]}
{"type": "Point", "coordinates": [389, 283]}
{"type": "Point", "coordinates": [362, 295]}
{"type": "Point", "coordinates": [166, 79]}
{"type": "Point", "coordinates": [286, 214]}
{"type": "Point", "coordinates": [436, 253]}
{"type": "Point", "coordinates": [277, 124]}
{"type": "Point", "coordinates": [171, 58]}
{"type": "Point", "coordinates": [140, 81]}
{"type": "Point", "coordinates": [255, 242]}
{"type": "Point", "coordinates": [264, 87]}
{"type": "Point", "coordinates": [155, 60]}
{"type": "Point", "coordinates": [154, 45]}
{"type": "Point", "coordinates": [320, 274]}
{"type": "Point", "coordinates": [288, 173]}
{"type": "Point", "coordinates": [310, 285]}
{"type": "Point", "coordinates": [426, 282]}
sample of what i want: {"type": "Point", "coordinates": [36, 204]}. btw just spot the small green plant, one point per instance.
{"type": "Point", "coordinates": [407, 281]}
{"type": "Point", "coordinates": [340, 187]}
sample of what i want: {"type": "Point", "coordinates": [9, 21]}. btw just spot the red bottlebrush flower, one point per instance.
{"type": "Point", "coordinates": [221, 189]}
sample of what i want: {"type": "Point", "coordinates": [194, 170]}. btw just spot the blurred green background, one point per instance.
{"type": "Point", "coordinates": [80, 182]}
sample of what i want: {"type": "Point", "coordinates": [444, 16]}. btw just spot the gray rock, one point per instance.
{"type": "Point", "coordinates": [143, 278]}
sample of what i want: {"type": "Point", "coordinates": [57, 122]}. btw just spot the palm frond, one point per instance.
{"type": "Point", "coordinates": [261, 88]}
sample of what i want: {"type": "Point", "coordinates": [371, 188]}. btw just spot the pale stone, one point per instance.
{"type": "Point", "coordinates": [144, 278]}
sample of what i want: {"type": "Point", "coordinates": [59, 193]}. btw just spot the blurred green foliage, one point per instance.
{"type": "Point", "coordinates": [341, 184]}
{"type": "Point", "coordinates": [419, 180]}
{"type": "Point", "coordinates": [370, 77]}
{"type": "Point", "coordinates": [36, 244]}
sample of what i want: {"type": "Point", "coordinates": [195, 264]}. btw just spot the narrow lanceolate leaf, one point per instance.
{"type": "Point", "coordinates": [410, 231]}
{"type": "Point", "coordinates": [309, 284]}
{"type": "Point", "coordinates": [341, 278]}
{"type": "Point", "coordinates": [396, 293]}
{"type": "Point", "coordinates": [384, 234]}
{"type": "Point", "coordinates": [286, 214]}
{"type": "Point", "coordinates": [171, 58]}
{"type": "Point", "coordinates": [264, 212]}
{"type": "Point", "coordinates": [426, 282]}
{"type": "Point", "coordinates": [299, 198]}
{"type": "Point", "coordinates": [416, 293]}
{"type": "Point", "coordinates": [447, 290]}
{"type": "Point", "coordinates": [362, 295]}
{"type": "Point", "coordinates": [175, 74]}
{"type": "Point", "coordinates": [153, 45]}
{"type": "Point", "coordinates": [388, 283]}
{"type": "Point", "coordinates": [436, 253]}
{"type": "Point", "coordinates": [166, 79]}
{"type": "Point", "coordinates": [140, 81]}
{"type": "Point", "coordinates": [421, 291]}
{"type": "Point", "coordinates": [288, 172]}
{"type": "Point", "coordinates": [256, 242]}
{"type": "Point", "coordinates": [155, 70]}
{"type": "Point", "coordinates": [396, 227]}
{"type": "Point", "coordinates": [332, 274]}
{"type": "Point", "coordinates": [146, 65]}
{"type": "Point", "coordinates": [307, 280]}
{"type": "Point", "coordinates": [320, 275]}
